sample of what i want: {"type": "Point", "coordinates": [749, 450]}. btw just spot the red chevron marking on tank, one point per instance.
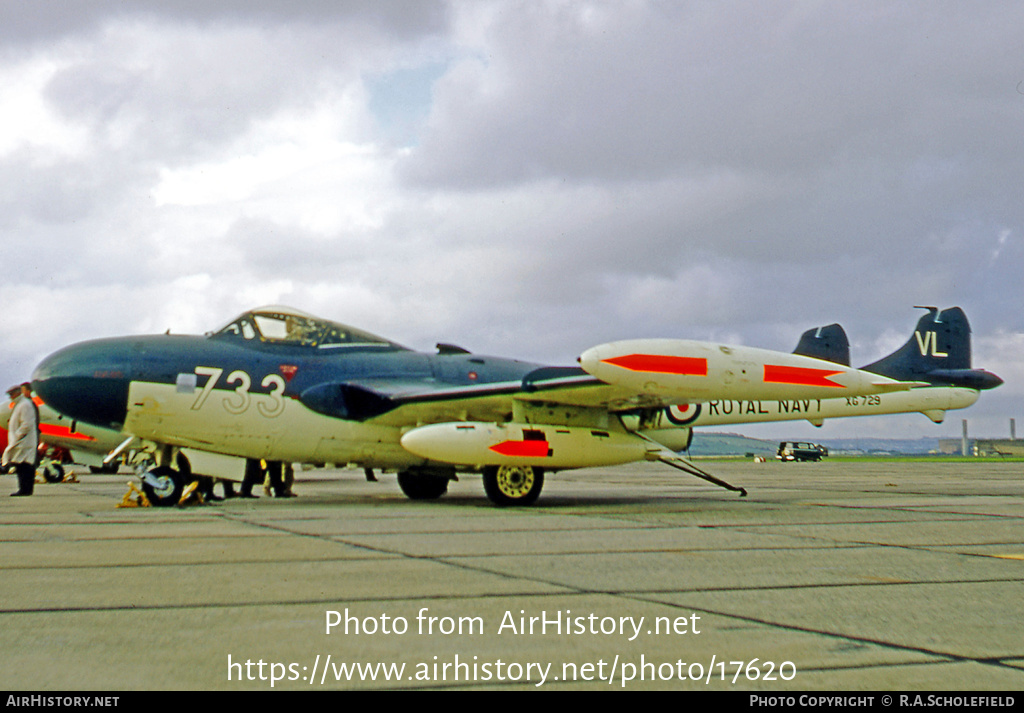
{"type": "Point", "coordinates": [524, 449]}
{"type": "Point", "coordinates": [803, 376]}
{"type": "Point", "coordinates": [661, 364]}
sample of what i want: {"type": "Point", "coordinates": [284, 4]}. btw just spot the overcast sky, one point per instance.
{"type": "Point", "coordinates": [525, 179]}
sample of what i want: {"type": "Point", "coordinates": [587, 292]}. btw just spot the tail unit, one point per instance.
{"type": "Point", "coordinates": [938, 353]}
{"type": "Point", "coordinates": [829, 343]}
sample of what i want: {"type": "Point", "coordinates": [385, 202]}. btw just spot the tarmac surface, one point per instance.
{"type": "Point", "coordinates": [832, 576]}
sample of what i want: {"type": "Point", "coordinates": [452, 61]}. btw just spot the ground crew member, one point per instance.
{"type": "Point", "coordinates": [23, 438]}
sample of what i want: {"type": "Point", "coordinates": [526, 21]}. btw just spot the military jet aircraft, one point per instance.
{"type": "Point", "coordinates": [282, 385]}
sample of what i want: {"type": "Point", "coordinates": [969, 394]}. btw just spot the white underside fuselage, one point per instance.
{"type": "Point", "coordinates": [268, 426]}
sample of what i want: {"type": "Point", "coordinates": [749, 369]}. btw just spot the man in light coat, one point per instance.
{"type": "Point", "coordinates": [22, 438]}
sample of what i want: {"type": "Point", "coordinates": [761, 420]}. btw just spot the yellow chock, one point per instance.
{"type": "Point", "coordinates": [70, 477]}
{"type": "Point", "coordinates": [191, 495]}
{"type": "Point", "coordinates": [139, 501]}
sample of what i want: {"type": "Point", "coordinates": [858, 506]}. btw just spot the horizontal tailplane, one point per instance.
{"type": "Point", "coordinates": [938, 353]}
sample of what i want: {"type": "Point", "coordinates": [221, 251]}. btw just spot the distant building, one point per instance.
{"type": "Point", "coordinates": [983, 446]}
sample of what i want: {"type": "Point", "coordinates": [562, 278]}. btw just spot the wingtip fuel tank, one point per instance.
{"type": "Point", "coordinates": [691, 370]}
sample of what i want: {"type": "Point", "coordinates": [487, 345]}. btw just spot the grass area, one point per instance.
{"type": "Point", "coordinates": [926, 459]}
{"type": "Point", "coordinates": [893, 458]}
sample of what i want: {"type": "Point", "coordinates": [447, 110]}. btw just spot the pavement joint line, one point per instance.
{"type": "Point", "coordinates": [773, 587]}
{"type": "Point", "coordinates": [212, 563]}
{"type": "Point", "coordinates": [278, 525]}
{"type": "Point", "coordinates": [446, 558]}
{"type": "Point", "coordinates": [952, 657]}
{"type": "Point", "coordinates": [825, 523]}
{"type": "Point", "coordinates": [939, 661]}
{"type": "Point", "coordinates": [861, 544]}
{"type": "Point", "coordinates": [291, 602]}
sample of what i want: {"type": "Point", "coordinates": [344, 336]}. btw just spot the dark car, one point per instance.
{"type": "Point", "coordinates": [799, 450]}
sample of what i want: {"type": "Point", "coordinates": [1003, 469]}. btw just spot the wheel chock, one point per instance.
{"type": "Point", "coordinates": [138, 501]}
{"type": "Point", "coordinates": [68, 478]}
{"type": "Point", "coordinates": [65, 477]}
{"type": "Point", "coordinates": [191, 495]}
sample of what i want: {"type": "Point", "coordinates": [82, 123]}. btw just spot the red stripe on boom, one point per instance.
{"type": "Point", "coordinates": [800, 376]}
{"type": "Point", "coordinates": [661, 364]}
{"type": "Point", "coordinates": [522, 449]}
{"type": "Point", "coordinates": [62, 432]}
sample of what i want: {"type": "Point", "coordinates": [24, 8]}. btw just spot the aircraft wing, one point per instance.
{"type": "Point", "coordinates": [402, 402]}
{"type": "Point", "coordinates": [614, 377]}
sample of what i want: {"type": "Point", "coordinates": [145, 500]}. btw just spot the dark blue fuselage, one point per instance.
{"type": "Point", "coordinates": [90, 381]}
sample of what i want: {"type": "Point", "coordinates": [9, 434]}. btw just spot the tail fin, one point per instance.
{"type": "Point", "coordinates": [939, 353]}
{"type": "Point", "coordinates": [828, 343]}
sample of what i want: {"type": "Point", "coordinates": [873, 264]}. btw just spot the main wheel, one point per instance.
{"type": "Point", "coordinates": [163, 486]}
{"type": "Point", "coordinates": [422, 486]}
{"type": "Point", "coordinates": [52, 472]}
{"type": "Point", "coordinates": [513, 484]}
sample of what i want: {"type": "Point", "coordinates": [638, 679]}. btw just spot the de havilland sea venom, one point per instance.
{"type": "Point", "coordinates": [283, 386]}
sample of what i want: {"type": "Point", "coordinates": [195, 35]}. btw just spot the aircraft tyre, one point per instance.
{"type": "Point", "coordinates": [513, 484]}
{"type": "Point", "coordinates": [163, 486]}
{"type": "Point", "coordinates": [52, 472]}
{"type": "Point", "coordinates": [422, 486]}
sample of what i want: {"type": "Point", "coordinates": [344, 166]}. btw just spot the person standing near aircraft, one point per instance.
{"type": "Point", "coordinates": [23, 438]}
{"type": "Point", "coordinates": [254, 475]}
{"type": "Point", "coordinates": [279, 480]}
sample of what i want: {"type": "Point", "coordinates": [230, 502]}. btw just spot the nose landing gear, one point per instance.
{"type": "Point", "coordinates": [163, 486]}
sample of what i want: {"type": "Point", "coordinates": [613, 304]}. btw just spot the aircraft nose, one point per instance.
{"type": "Point", "coordinates": [86, 381]}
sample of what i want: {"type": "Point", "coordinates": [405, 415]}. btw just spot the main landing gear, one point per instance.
{"type": "Point", "coordinates": [513, 484]}
{"type": "Point", "coordinates": [505, 485]}
{"type": "Point", "coordinates": [50, 463]}
{"type": "Point", "coordinates": [425, 483]}
{"type": "Point", "coordinates": [52, 471]}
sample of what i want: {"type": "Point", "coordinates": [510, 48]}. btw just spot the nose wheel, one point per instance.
{"type": "Point", "coordinates": [163, 486]}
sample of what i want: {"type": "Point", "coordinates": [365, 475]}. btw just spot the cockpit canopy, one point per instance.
{"type": "Point", "coordinates": [284, 325]}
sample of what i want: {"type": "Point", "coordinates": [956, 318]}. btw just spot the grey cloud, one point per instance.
{"type": "Point", "coordinates": [45, 20]}
{"type": "Point", "coordinates": [661, 88]}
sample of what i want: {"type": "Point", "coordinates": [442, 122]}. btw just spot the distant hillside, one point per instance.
{"type": "Point", "coordinates": [730, 444]}
{"type": "Point", "coordinates": [733, 444]}
{"type": "Point", "coordinates": [907, 446]}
